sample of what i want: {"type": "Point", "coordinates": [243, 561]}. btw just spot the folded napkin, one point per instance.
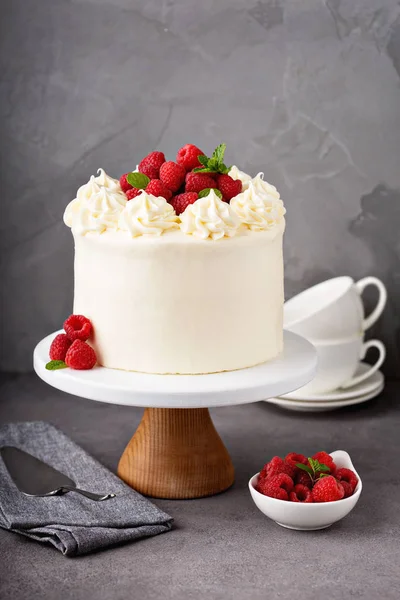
{"type": "Point", "coordinates": [73, 524]}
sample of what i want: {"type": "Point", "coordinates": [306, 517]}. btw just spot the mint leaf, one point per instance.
{"type": "Point", "coordinates": [203, 160]}
{"type": "Point", "coordinates": [206, 191]}
{"type": "Point", "coordinates": [314, 469]}
{"type": "Point", "coordinates": [323, 467]}
{"type": "Point", "coordinates": [313, 463]}
{"type": "Point", "coordinates": [219, 152]}
{"type": "Point", "coordinates": [305, 468]}
{"type": "Point", "coordinates": [316, 466]}
{"type": "Point", "coordinates": [213, 164]}
{"type": "Point", "coordinates": [53, 365]}
{"type": "Point", "coordinates": [203, 170]}
{"type": "Point", "coordinates": [138, 180]}
{"type": "Point", "coordinates": [224, 169]}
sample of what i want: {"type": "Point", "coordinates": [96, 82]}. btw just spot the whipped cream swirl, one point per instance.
{"type": "Point", "coordinates": [209, 217]}
{"type": "Point", "coordinates": [96, 207]}
{"type": "Point", "coordinates": [236, 174]}
{"type": "Point", "coordinates": [263, 187]}
{"type": "Point", "coordinates": [106, 181]}
{"type": "Point", "coordinates": [147, 215]}
{"type": "Point", "coordinates": [259, 207]}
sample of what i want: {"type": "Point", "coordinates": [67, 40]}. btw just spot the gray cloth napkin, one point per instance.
{"type": "Point", "coordinates": [73, 524]}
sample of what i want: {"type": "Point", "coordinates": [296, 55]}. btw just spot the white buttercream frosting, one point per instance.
{"type": "Point", "coordinates": [259, 207]}
{"type": "Point", "coordinates": [236, 174]}
{"type": "Point", "coordinates": [209, 217]}
{"type": "Point", "coordinates": [87, 190]}
{"type": "Point", "coordinates": [95, 208]}
{"type": "Point", "coordinates": [106, 181]}
{"type": "Point", "coordinates": [147, 214]}
{"type": "Point", "coordinates": [263, 187]}
{"type": "Point", "coordinates": [158, 304]}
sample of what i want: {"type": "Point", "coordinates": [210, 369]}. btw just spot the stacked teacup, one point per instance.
{"type": "Point", "coordinates": [331, 316]}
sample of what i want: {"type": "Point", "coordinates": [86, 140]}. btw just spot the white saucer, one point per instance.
{"type": "Point", "coordinates": [307, 406]}
{"type": "Point", "coordinates": [365, 387]}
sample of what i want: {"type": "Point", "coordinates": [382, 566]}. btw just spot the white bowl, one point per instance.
{"type": "Point", "coordinates": [307, 517]}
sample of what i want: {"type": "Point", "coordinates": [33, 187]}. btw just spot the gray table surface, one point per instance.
{"type": "Point", "coordinates": [223, 547]}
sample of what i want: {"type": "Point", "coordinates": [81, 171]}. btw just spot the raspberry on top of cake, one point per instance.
{"type": "Point", "coordinates": [196, 194]}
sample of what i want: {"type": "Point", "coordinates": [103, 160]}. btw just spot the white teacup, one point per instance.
{"type": "Point", "coordinates": [337, 363]}
{"type": "Point", "coordinates": [333, 309]}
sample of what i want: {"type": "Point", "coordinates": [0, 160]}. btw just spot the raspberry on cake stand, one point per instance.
{"type": "Point", "coordinates": [176, 452]}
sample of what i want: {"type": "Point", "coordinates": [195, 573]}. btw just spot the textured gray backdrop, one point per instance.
{"type": "Point", "coordinates": [307, 91]}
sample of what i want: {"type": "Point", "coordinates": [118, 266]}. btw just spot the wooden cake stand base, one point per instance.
{"type": "Point", "coordinates": [176, 451]}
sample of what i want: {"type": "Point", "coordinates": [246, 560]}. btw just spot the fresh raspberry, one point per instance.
{"type": "Point", "coordinates": [182, 201]}
{"type": "Point", "coordinates": [150, 164]}
{"type": "Point", "coordinates": [59, 347]}
{"type": "Point", "coordinates": [157, 188]}
{"type": "Point", "coordinates": [327, 489]}
{"type": "Point", "coordinates": [276, 466]}
{"type": "Point", "coordinates": [172, 175]}
{"type": "Point", "coordinates": [301, 493]}
{"type": "Point", "coordinates": [213, 175]}
{"type": "Point", "coordinates": [187, 157]}
{"type": "Point", "coordinates": [348, 489]}
{"type": "Point", "coordinates": [303, 478]}
{"type": "Point", "coordinates": [125, 186]}
{"type": "Point", "coordinates": [277, 486]}
{"type": "Point", "coordinates": [347, 476]}
{"type": "Point", "coordinates": [80, 356]}
{"type": "Point", "coordinates": [325, 459]}
{"type": "Point", "coordinates": [228, 187]}
{"type": "Point", "coordinates": [78, 327]}
{"type": "Point", "coordinates": [132, 193]}
{"type": "Point", "coordinates": [195, 182]}
{"type": "Point", "coordinates": [292, 459]}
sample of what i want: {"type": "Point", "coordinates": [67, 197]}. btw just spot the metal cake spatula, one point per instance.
{"type": "Point", "coordinates": [35, 478]}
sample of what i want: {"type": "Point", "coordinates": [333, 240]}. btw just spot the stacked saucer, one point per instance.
{"type": "Point", "coordinates": [362, 392]}
{"type": "Point", "coordinates": [331, 316]}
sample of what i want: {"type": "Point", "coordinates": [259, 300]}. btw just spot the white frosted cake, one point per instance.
{"type": "Point", "coordinates": [190, 285]}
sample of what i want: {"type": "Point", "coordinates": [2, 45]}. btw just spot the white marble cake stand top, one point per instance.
{"type": "Point", "coordinates": [291, 370]}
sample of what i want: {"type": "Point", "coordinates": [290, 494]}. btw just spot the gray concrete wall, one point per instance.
{"type": "Point", "coordinates": [307, 91]}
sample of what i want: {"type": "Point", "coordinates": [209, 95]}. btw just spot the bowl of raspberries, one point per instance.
{"type": "Point", "coordinates": [307, 493]}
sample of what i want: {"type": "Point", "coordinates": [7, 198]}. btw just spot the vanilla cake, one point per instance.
{"type": "Point", "coordinates": [190, 293]}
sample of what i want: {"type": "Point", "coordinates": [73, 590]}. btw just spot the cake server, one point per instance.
{"type": "Point", "coordinates": [36, 478]}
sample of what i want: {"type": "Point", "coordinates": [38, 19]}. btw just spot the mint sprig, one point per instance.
{"type": "Point", "coordinates": [215, 164]}
{"type": "Point", "coordinates": [203, 159]}
{"type": "Point", "coordinates": [206, 191]}
{"type": "Point", "coordinates": [138, 180]}
{"type": "Point", "coordinates": [219, 152]}
{"type": "Point", "coordinates": [53, 365]}
{"type": "Point", "coordinates": [316, 466]}
{"type": "Point", "coordinates": [315, 469]}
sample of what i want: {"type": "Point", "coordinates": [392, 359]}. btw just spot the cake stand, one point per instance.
{"type": "Point", "coordinates": [176, 452]}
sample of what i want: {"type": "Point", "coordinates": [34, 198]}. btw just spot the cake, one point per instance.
{"type": "Point", "coordinates": [188, 281]}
